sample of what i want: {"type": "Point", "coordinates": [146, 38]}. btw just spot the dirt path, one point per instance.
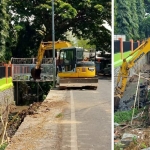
{"type": "Point", "coordinates": [39, 130]}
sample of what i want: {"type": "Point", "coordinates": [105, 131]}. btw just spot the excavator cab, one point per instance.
{"type": "Point", "coordinates": [68, 58]}
{"type": "Point", "coordinates": [73, 71]}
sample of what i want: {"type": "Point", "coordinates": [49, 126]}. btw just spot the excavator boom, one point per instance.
{"type": "Point", "coordinates": [48, 46]}
{"type": "Point", "coordinates": [35, 72]}
{"type": "Point", "coordinates": [123, 74]}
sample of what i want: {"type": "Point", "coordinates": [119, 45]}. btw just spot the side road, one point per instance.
{"type": "Point", "coordinates": [40, 130]}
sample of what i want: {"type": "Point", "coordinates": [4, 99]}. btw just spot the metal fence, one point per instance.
{"type": "Point", "coordinates": [21, 69]}
{"type": "Point", "coordinates": [126, 46]}
{"type": "Point", "coordinates": [30, 61]}
{"type": "Point", "coordinates": [2, 71]}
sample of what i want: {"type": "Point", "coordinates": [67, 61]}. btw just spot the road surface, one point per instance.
{"type": "Point", "coordinates": [86, 124]}
{"type": "Point", "coordinates": [68, 120]}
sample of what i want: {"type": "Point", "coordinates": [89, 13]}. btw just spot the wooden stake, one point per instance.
{"type": "Point", "coordinates": [4, 125]}
{"type": "Point", "coordinates": [135, 97]}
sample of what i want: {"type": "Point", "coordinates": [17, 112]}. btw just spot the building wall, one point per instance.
{"type": "Point", "coordinates": [116, 37]}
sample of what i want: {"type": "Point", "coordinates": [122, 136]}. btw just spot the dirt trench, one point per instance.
{"type": "Point", "coordinates": [32, 127]}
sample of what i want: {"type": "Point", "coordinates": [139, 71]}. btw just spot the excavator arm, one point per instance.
{"type": "Point", "coordinates": [48, 46]}
{"type": "Point", "coordinates": [35, 72]}
{"type": "Point", "coordinates": [123, 74]}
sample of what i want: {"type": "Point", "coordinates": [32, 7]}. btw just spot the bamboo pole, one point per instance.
{"type": "Point", "coordinates": [135, 97]}
{"type": "Point", "coordinates": [4, 125]}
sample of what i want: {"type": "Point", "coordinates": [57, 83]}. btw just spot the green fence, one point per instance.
{"type": "Point", "coordinates": [5, 77]}
{"type": "Point", "coordinates": [118, 60]}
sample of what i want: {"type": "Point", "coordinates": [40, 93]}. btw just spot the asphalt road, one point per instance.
{"type": "Point", "coordinates": [86, 124]}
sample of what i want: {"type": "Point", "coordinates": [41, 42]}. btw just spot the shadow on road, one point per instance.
{"type": "Point", "coordinates": [82, 109]}
{"type": "Point", "coordinates": [102, 77]}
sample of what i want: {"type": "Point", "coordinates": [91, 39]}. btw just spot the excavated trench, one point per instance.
{"type": "Point", "coordinates": [141, 122]}
{"type": "Point", "coordinates": [143, 97]}
{"type": "Point", "coordinates": [27, 104]}
{"type": "Point", "coordinates": [17, 115]}
{"type": "Point", "coordinates": [141, 100]}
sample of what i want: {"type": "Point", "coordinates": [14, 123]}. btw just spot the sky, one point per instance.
{"type": "Point", "coordinates": [107, 26]}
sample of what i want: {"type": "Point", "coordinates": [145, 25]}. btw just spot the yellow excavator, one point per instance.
{"type": "Point", "coordinates": [72, 70]}
{"type": "Point", "coordinates": [123, 74]}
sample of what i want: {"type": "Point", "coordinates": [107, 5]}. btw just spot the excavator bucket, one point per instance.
{"type": "Point", "coordinates": [78, 82]}
{"type": "Point", "coordinates": [35, 73]}
{"type": "Point", "coordinates": [116, 102]}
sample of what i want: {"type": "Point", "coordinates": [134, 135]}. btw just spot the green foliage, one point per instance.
{"type": "Point", "coordinates": [143, 145]}
{"type": "Point", "coordinates": [83, 18]}
{"type": "Point", "coordinates": [3, 146]}
{"type": "Point", "coordinates": [44, 97]}
{"type": "Point", "coordinates": [28, 91]}
{"type": "Point", "coordinates": [115, 15]}
{"type": "Point", "coordinates": [140, 9]}
{"type": "Point", "coordinates": [135, 22]}
{"type": "Point", "coordinates": [146, 26]}
{"type": "Point", "coordinates": [124, 116]}
{"type": "Point", "coordinates": [85, 43]}
{"type": "Point", "coordinates": [124, 18]}
{"type": "Point", "coordinates": [147, 5]}
{"type": "Point", "coordinates": [129, 17]}
{"type": "Point", "coordinates": [60, 115]}
{"type": "Point", "coordinates": [4, 26]}
{"type": "Point", "coordinates": [118, 146]}
{"type": "Point", "coordinates": [135, 140]}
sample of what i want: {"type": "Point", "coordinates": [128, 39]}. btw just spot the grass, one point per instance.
{"type": "Point", "coordinates": [120, 117]}
{"type": "Point", "coordinates": [3, 146]}
{"type": "Point", "coordinates": [59, 115]}
{"type": "Point", "coordinates": [118, 146]}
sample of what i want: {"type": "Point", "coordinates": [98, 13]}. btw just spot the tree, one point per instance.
{"type": "Point", "coordinates": [115, 15]}
{"type": "Point", "coordinates": [140, 13]}
{"type": "Point", "coordinates": [83, 18]}
{"type": "Point", "coordinates": [124, 18]}
{"type": "Point", "coordinates": [134, 27]}
{"type": "Point", "coordinates": [4, 26]}
{"type": "Point", "coordinates": [146, 27]}
{"type": "Point", "coordinates": [129, 17]}
{"type": "Point", "coordinates": [147, 6]}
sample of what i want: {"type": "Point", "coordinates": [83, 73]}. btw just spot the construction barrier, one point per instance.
{"type": "Point", "coordinates": [21, 69]}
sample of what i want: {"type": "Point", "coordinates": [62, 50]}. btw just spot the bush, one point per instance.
{"type": "Point", "coordinates": [124, 116]}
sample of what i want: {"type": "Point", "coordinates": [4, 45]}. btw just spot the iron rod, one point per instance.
{"type": "Point", "coordinates": [53, 45]}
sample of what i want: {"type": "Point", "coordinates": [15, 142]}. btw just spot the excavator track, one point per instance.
{"type": "Point", "coordinates": [91, 83]}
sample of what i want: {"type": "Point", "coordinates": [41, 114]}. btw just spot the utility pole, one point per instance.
{"type": "Point", "coordinates": [53, 45]}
